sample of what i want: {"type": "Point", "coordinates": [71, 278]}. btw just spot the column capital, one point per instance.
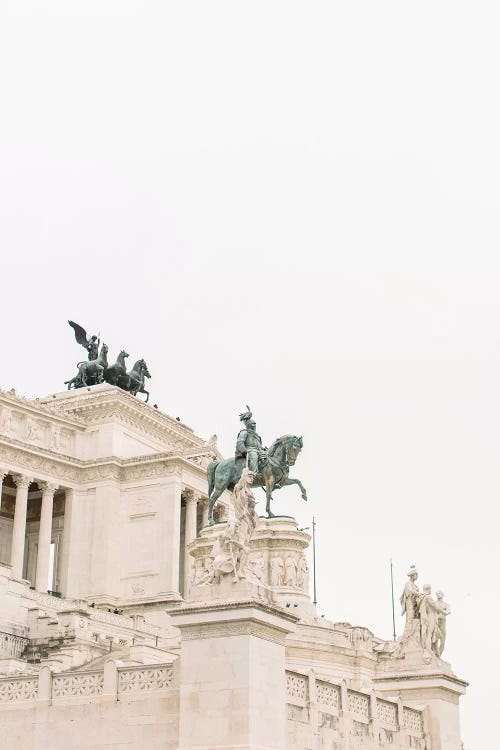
{"type": "Point", "coordinates": [20, 480]}
{"type": "Point", "coordinates": [190, 496]}
{"type": "Point", "coordinates": [3, 473]}
{"type": "Point", "coordinates": [48, 487]}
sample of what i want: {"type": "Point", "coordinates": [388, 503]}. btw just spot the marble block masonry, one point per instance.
{"type": "Point", "coordinates": [128, 619]}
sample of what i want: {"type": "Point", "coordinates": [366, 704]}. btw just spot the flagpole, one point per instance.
{"type": "Point", "coordinates": [392, 596]}
{"type": "Point", "coordinates": [315, 601]}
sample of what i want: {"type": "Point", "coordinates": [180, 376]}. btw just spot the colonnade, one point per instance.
{"type": "Point", "coordinates": [194, 521]}
{"type": "Point", "coordinates": [48, 490]}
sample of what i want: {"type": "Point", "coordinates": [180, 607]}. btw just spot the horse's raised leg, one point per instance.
{"type": "Point", "coordinates": [297, 481]}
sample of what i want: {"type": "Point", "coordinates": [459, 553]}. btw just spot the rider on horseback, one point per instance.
{"type": "Point", "coordinates": [249, 444]}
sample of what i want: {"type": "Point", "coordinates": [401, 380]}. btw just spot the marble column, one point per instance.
{"type": "Point", "coordinates": [191, 499]}
{"type": "Point", "coordinates": [44, 536]}
{"type": "Point", "coordinates": [3, 474]}
{"type": "Point", "coordinates": [19, 529]}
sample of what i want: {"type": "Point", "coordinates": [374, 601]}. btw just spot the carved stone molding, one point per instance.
{"type": "Point", "coordinates": [224, 629]}
{"type": "Point", "coordinates": [48, 487]}
{"type": "Point", "coordinates": [20, 480]}
{"type": "Point", "coordinates": [75, 471]}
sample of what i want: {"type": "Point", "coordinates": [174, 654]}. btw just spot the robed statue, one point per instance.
{"type": "Point", "coordinates": [269, 466]}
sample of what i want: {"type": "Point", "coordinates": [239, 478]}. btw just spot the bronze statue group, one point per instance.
{"type": "Point", "coordinates": [96, 369]}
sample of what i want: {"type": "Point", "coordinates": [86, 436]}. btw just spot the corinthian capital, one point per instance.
{"type": "Point", "coordinates": [191, 497]}
{"type": "Point", "coordinates": [48, 487]}
{"type": "Point", "coordinates": [20, 480]}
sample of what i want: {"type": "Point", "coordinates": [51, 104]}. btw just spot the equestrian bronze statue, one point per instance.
{"type": "Point", "coordinates": [269, 467]}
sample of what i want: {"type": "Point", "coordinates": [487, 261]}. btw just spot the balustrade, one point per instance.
{"type": "Point", "coordinates": [325, 705]}
{"type": "Point", "coordinates": [86, 687]}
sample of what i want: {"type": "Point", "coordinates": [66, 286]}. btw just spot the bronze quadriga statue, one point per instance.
{"type": "Point", "coordinates": [96, 370]}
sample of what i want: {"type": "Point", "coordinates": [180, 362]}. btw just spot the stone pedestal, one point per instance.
{"type": "Point", "coordinates": [276, 571]}
{"type": "Point", "coordinates": [422, 684]}
{"type": "Point", "coordinates": [232, 676]}
{"type": "Point", "coordinates": [279, 539]}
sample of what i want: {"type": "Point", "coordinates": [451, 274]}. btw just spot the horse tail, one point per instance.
{"type": "Point", "coordinates": [211, 476]}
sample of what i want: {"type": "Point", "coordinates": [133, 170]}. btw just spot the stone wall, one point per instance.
{"type": "Point", "coordinates": [136, 707]}
{"type": "Point", "coordinates": [327, 715]}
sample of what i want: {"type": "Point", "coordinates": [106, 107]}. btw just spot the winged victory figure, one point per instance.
{"type": "Point", "coordinates": [90, 343]}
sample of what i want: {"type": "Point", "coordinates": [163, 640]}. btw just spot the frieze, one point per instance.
{"type": "Point", "coordinates": [100, 406]}
{"type": "Point", "coordinates": [75, 471]}
{"type": "Point", "coordinates": [283, 543]}
{"type": "Point", "coordinates": [41, 408]}
{"type": "Point", "coordinates": [223, 629]}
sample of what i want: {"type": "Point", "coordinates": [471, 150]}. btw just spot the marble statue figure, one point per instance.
{"type": "Point", "coordinates": [290, 571]}
{"type": "Point", "coordinates": [302, 571]}
{"type": "Point", "coordinates": [428, 618]}
{"type": "Point", "coordinates": [425, 625]}
{"type": "Point", "coordinates": [442, 611]}
{"type": "Point", "coordinates": [232, 548]}
{"type": "Point", "coordinates": [277, 571]}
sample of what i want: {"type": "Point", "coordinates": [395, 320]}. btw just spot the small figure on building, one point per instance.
{"type": "Point", "coordinates": [302, 571]}
{"type": "Point", "coordinates": [442, 610]}
{"type": "Point", "coordinates": [290, 571]}
{"type": "Point", "coordinates": [277, 571]}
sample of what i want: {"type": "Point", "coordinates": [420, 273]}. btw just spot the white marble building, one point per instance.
{"type": "Point", "coordinates": [111, 637]}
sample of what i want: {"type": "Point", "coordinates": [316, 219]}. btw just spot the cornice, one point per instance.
{"type": "Point", "coordinates": [76, 472]}
{"type": "Point", "coordinates": [99, 404]}
{"type": "Point", "coordinates": [38, 408]}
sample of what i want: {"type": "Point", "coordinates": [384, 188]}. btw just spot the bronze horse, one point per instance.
{"type": "Point", "coordinates": [90, 372]}
{"type": "Point", "coordinates": [273, 474]}
{"type": "Point", "coordinates": [133, 380]}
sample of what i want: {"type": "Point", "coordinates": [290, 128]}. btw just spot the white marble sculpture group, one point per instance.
{"type": "Point", "coordinates": [425, 625]}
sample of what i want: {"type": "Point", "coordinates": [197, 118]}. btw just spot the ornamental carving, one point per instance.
{"type": "Point", "coordinates": [412, 720]}
{"type": "Point", "coordinates": [387, 712]}
{"type": "Point", "coordinates": [359, 729]}
{"type": "Point", "coordinates": [12, 646]}
{"type": "Point", "coordinates": [223, 629]}
{"type": "Point", "coordinates": [327, 721]}
{"type": "Point", "coordinates": [143, 680]}
{"type": "Point", "coordinates": [73, 685]}
{"type": "Point", "coordinates": [328, 694]}
{"type": "Point", "coordinates": [297, 713]}
{"type": "Point", "coordinates": [296, 686]}
{"type": "Point", "coordinates": [358, 703]}
{"type": "Point", "coordinates": [74, 471]}
{"type": "Point", "coordinates": [18, 689]}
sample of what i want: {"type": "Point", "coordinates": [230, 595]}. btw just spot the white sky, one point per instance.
{"type": "Point", "coordinates": [295, 206]}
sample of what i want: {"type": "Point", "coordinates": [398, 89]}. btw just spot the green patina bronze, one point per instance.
{"type": "Point", "coordinates": [96, 370]}
{"type": "Point", "coordinates": [269, 467]}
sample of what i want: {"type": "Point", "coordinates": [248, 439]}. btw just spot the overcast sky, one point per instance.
{"type": "Point", "coordinates": [295, 206]}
